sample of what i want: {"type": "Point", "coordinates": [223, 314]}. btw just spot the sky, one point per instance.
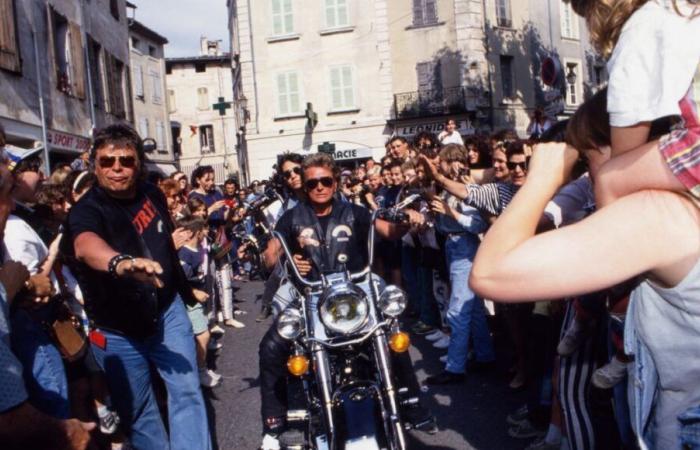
{"type": "Point", "coordinates": [182, 22]}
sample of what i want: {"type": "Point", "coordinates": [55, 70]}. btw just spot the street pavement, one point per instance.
{"type": "Point", "coordinates": [470, 415]}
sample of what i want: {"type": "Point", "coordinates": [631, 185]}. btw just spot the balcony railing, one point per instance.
{"type": "Point", "coordinates": [437, 102]}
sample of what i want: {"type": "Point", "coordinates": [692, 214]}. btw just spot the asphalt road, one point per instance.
{"type": "Point", "coordinates": [470, 416]}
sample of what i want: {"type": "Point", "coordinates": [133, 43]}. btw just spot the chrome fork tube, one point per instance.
{"type": "Point", "coordinates": [323, 378]}
{"type": "Point", "coordinates": [381, 353]}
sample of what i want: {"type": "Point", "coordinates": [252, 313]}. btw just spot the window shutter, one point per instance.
{"type": "Point", "coordinates": [336, 89]}
{"type": "Point", "coordinates": [9, 49]}
{"type": "Point", "coordinates": [424, 73]}
{"type": "Point", "coordinates": [349, 95]}
{"type": "Point", "coordinates": [138, 80]}
{"type": "Point", "coordinates": [342, 13]}
{"type": "Point", "coordinates": [157, 90]}
{"type": "Point", "coordinates": [143, 127]}
{"type": "Point", "coordinates": [288, 16]}
{"type": "Point", "coordinates": [418, 12]}
{"type": "Point", "coordinates": [294, 93]}
{"type": "Point", "coordinates": [160, 135]}
{"type": "Point", "coordinates": [282, 94]}
{"type": "Point", "coordinates": [276, 17]}
{"type": "Point", "coordinates": [77, 57]}
{"type": "Point", "coordinates": [331, 14]}
{"type": "Point", "coordinates": [430, 12]}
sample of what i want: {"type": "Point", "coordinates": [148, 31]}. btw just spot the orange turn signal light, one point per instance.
{"type": "Point", "coordinates": [298, 365]}
{"type": "Point", "coordinates": [399, 342]}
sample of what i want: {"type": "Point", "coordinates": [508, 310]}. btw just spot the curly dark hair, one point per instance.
{"type": "Point", "coordinates": [199, 172]}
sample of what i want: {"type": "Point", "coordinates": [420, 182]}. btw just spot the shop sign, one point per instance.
{"type": "Point", "coordinates": [64, 141]}
{"type": "Point", "coordinates": [352, 153]}
{"type": "Point", "coordinates": [464, 127]}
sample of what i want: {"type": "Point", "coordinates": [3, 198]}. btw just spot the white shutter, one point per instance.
{"type": "Point", "coordinates": [288, 16]}
{"type": "Point", "coordinates": [293, 84]}
{"type": "Point", "coordinates": [336, 89]}
{"type": "Point", "coordinates": [138, 81]}
{"type": "Point", "coordinates": [202, 98]}
{"type": "Point", "coordinates": [157, 88]}
{"type": "Point", "coordinates": [282, 94]}
{"type": "Point", "coordinates": [143, 127]}
{"type": "Point", "coordinates": [160, 135]}
{"type": "Point", "coordinates": [331, 14]}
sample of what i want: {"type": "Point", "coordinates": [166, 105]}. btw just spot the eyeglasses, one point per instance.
{"type": "Point", "coordinates": [288, 173]}
{"type": "Point", "coordinates": [125, 161]}
{"type": "Point", "coordinates": [512, 165]}
{"type": "Point", "coordinates": [313, 183]}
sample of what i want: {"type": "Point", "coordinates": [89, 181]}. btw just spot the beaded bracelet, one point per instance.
{"type": "Point", "coordinates": [114, 262]}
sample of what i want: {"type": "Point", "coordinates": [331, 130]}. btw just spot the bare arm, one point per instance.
{"type": "Point", "coordinates": [624, 139]}
{"type": "Point", "coordinates": [272, 253]}
{"type": "Point", "coordinates": [389, 230]}
{"type": "Point", "coordinates": [455, 188]}
{"type": "Point", "coordinates": [644, 232]}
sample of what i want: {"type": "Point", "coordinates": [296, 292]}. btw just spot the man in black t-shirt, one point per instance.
{"type": "Point", "coordinates": [317, 231]}
{"type": "Point", "coordinates": [118, 237]}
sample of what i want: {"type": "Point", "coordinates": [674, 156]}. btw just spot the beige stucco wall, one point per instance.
{"type": "Point", "coordinates": [185, 81]}
{"type": "Point", "coordinates": [149, 107]}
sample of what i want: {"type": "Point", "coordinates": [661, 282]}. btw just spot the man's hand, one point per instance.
{"type": "Point", "coordinates": [200, 295]}
{"type": "Point", "coordinates": [78, 433]}
{"type": "Point", "coordinates": [40, 287]}
{"type": "Point", "coordinates": [429, 167]}
{"type": "Point", "coordinates": [241, 252]}
{"type": "Point", "coordinates": [142, 269]}
{"type": "Point", "coordinates": [415, 219]}
{"type": "Point", "coordinates": [180, 237]}
{"type": "Point", "coordinates": [303, 265]}
{"type": "Point", "coordinates": [13, 274]}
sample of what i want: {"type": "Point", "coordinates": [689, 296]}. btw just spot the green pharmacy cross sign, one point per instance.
{"type": "Point", "coordinates": [221, 106]}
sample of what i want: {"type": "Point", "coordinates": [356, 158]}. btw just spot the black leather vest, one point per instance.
{"type": "Point", "coordinates": [322, 248]}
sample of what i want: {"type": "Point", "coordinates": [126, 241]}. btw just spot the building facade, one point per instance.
{"type": "Point", "coordinates": [151, 113]}
{"type": "Point", "coordinates": [64, 68]}
{"type": "Point", "coordinates": [199, 98]}
{"type": "Point", "coordinates": [369, 70]}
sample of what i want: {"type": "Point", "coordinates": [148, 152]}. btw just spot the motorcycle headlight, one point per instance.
{"type": "Point", "coordinates": [344, 309]}
{"type": "Point", "coordinates": [290, 323]}
{"type": "Point", "coordinates": [392, 301]}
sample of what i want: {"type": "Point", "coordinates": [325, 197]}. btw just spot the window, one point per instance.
{"type": "Point", "coordinates": [96, 78]}
{"type": "Point", "coordinates": [206, 139]}
{"type": "Point", "coordinates": [598, 75]}
{"type": "Point", "coordinates": [172, 106]}
{"type": "Point", "coordinates": [288, 94]}
{"type": "Point", "coordinates": [168, 69]}
{"type": "Point", "coordinates": [68, 55]}
{"type": "Point", "coordinates": [336, 13]}
{"type": "Point", "coordinates": [114, 8]}
{"type": "Point", "coordinates": [143, 128]}
{"type": "Point", "coordinates": [282, 17]}
{"type": "Point", "coordinates": [503, 13]}
{"type": "Point", "coordinates": [202, 98]}
{"type": "Point", "coordinates": [152, 51]}
{"type": "Point", "coordinates": [9, 49]}
{"type": "Point", "coordinates": [507, 79]}
{"type": "Point", "coordinates": [114, 70]}
{"type": "Point", "coordinates": [569, 21]}
{"type": "Point", "coordinates": [137, 75]}
{"type": "Point", "coordinates": [573, 84]}
{"type": "Point", "coordinates": [160, 135]}
{"type": "Point", "coordinates": [342, 88]}
{"type": "Point", "coordinates": [135, 44]}
{"type": "Point", "coordinates": [157, 88]}
{"type": "Point", "coordinates": [429, 77]}
{"type": "Point", "coordinates": [424, 12]}
{"type": "Point", "coordinates": [200, 67]}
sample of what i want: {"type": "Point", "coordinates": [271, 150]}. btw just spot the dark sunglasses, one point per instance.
{"type": "Point", "coordinates": [512, 165]}
{"type": "Point", "coordinates": [108, 161]}
{"type": "Point", "coordinates": [288, 173]}
{"type": "Point", "coordinates": [313, 183]}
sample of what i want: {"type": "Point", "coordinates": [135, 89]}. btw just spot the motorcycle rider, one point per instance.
{"type": "Point", "coordinates": [303, 228]}
{"type": "Point", "coordinates": [289, 173]}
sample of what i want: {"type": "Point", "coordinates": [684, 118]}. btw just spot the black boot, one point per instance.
{"type": "Point", "coordinates": [265, 312]}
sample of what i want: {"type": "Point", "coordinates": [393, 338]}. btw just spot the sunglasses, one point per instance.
{"type": "Point", "coordinates": [125, 161]}
{"type": "Point", "coordinates": [288, 173]}
{"type": "Point", "coordinates": [512, 165]}
{"type": "Point", "coordinates": [313, 183]}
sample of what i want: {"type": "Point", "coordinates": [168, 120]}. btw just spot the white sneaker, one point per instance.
{"type": "Point", "coordinates": [575, 335]}
{"type": "Point", "coordinates": [443, 359]}
{"type": "Point", "coordinates": [270, 443]}
{"type": "Point", "coordinates": [217, 331]}
{"type": "Point", "coordinates": [206, 379]}
{"type": "Point", "coordinates": [239, 312]}
{"type": "Point", "coordinates": [435, 335]}
{"type": "Point", "coordinates": [234, 323]}
{"type": "Point", "coordinates": [214, 375]}
{"type": "Point", "coordinates": [443, 342]}
{"type": "Point", "coordinates": [610, 374]}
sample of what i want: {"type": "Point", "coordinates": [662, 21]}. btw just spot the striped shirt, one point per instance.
{"type": "Point", "coordinates": [491, 198]}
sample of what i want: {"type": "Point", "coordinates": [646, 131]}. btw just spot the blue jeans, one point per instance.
{"type": "Point", "coordinates": [171, 350]}
{"type": "Point", "coordinates": [44, 374]}
{"type": "Point", "coordinates": [690, 428]}
{"type": "Point", "coordinates": [466, 312]}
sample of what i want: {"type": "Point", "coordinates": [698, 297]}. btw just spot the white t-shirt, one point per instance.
{"type": "Point", "coordinates": [454, 138]}
{"type": "Point", "coordinates": [653, 63]}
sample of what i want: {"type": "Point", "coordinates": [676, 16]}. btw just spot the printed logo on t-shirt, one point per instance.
{"type": "Point", "coordinates": [145, 216]}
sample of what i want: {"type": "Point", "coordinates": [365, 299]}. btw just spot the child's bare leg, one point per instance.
{"type": "Point", "coordinates": [633, 171]}
{"type": "Point", "coordinates": [202, 342]}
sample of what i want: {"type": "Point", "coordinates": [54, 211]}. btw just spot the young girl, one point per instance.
{"type": "Point", "coordinates": [654, 49]}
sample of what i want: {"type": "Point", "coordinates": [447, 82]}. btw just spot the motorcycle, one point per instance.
{"type": "Point", "coordinates": [342, 329]}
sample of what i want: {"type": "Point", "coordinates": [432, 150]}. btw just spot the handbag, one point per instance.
{"type": "Point", "coordinates": [66, 332]}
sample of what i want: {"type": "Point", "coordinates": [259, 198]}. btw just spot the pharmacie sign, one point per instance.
{"type": "Point", "coordinates": [352, 153]}
{"type": "Point", "coordinates": [464, 127]}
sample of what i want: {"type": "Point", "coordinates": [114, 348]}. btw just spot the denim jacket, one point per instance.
{"type": "Point", "coordinates": [469, 219]}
